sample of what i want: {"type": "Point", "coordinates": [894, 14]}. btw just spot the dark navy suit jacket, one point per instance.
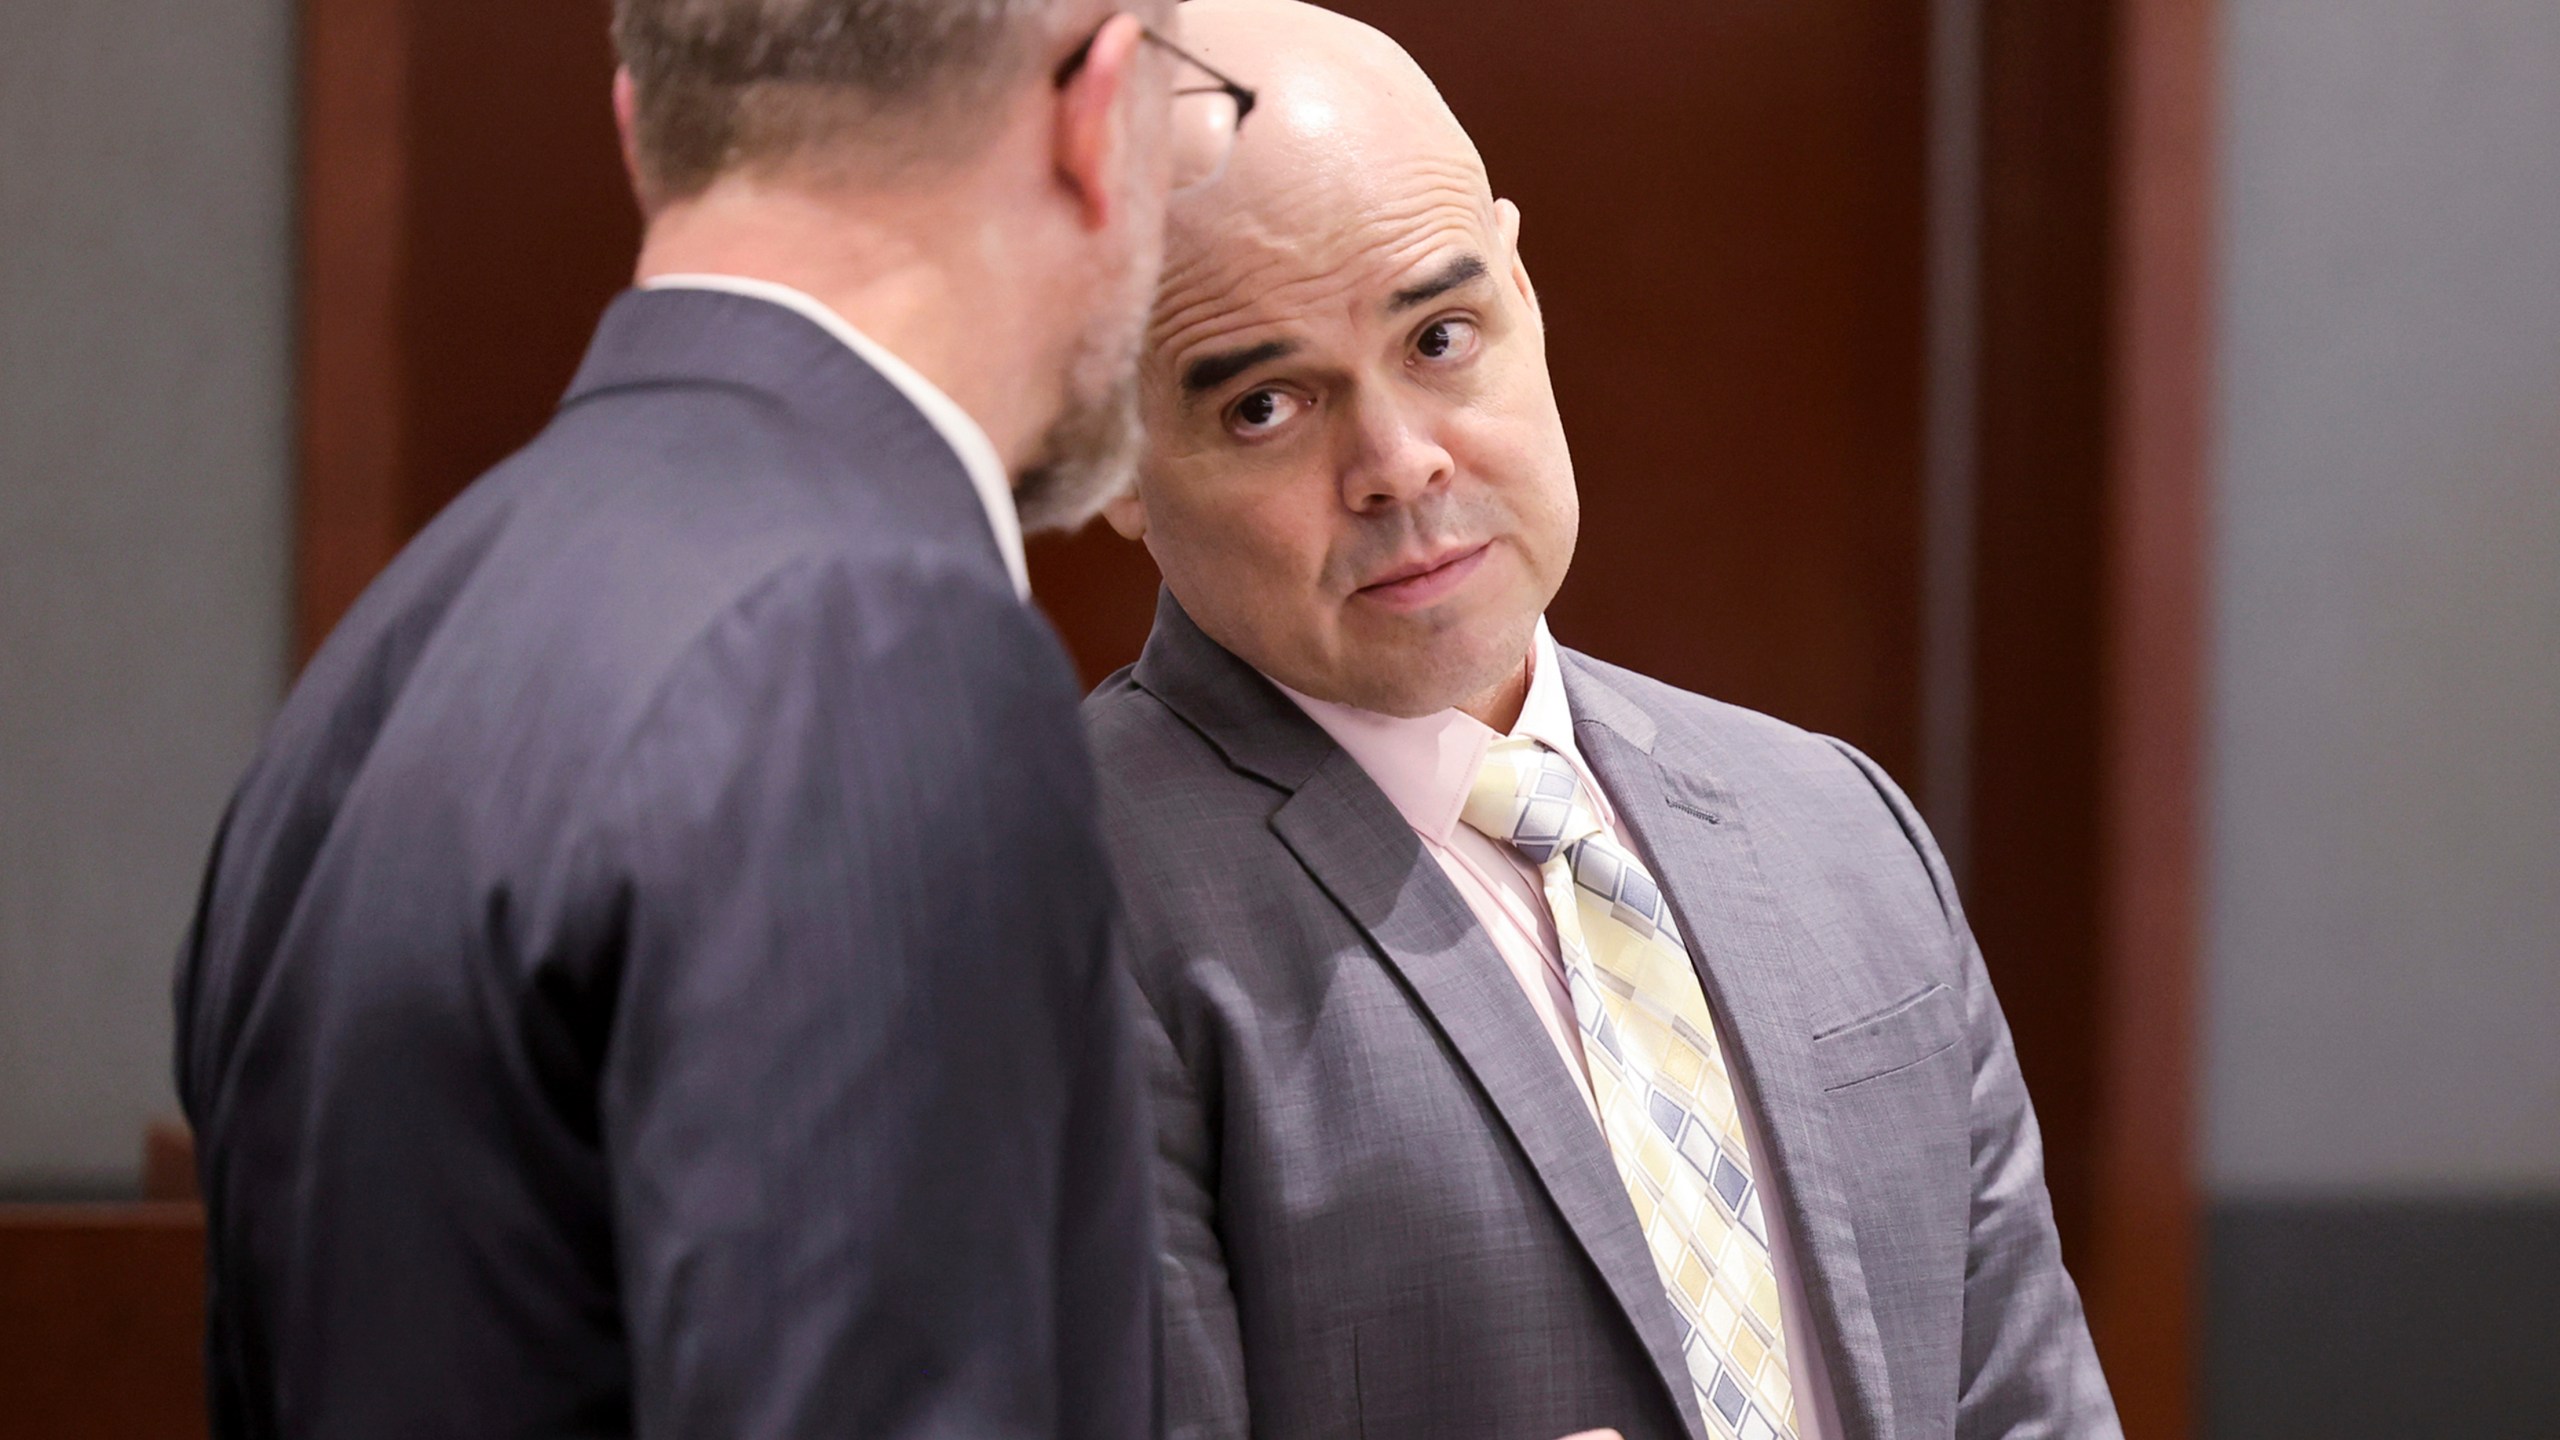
{"type": "Point", "coordinates": [655, 977]}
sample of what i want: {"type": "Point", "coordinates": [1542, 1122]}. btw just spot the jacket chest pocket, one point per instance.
{"type": "Point", "coordinates": [1910, 1032]}
{"type": "Point", "coordinates": [1897, 1101]}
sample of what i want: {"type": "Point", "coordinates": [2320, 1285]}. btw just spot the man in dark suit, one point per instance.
{"type": "Point", "coordinates": [1534, 1046]}
{"type": "Point", "coordinates": [654, 978]}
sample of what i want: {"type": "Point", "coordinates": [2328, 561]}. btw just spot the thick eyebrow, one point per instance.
{"type": "Point", "coordinates": [1211, 371]}
{"type": "Point", "coordinates": [1464, 270]}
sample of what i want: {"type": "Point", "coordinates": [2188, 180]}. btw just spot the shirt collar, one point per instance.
{"type": "Point", "coordinates": [967, 439]}
{"type": "Point", "coordinates": [1426, 765]}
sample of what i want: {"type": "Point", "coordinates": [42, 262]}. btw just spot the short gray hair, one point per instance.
{"type": "Point", "coordinates": [731, 84]}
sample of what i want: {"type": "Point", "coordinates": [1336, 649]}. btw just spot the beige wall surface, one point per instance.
{"type": "Point", "coordinates": [2385, 923]}
{"type": "Point", "coordinates": [145, 319]}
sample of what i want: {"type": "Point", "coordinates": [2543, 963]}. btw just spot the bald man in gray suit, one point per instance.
{"type": "Point", "coordinates": [1534, 1046]}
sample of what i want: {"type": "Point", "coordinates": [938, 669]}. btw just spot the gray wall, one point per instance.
{"type": "Point", "coordinates": [2385, 922]}
{"type": "Point", "coordinates": [145, 317]}
{"type": "Point", "coordinates": [2383, 1083]}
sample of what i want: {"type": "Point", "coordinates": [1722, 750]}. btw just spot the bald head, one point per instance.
{"type": "Point", "coordinates": [1349, 133]}
{"type": "Point", "coordinates": [1344, 108]}
{"type": "Point", "coordinates": [1356, 480]}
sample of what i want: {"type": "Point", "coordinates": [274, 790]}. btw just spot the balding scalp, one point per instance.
{"type": "Point", "coordinates": [731, 84]}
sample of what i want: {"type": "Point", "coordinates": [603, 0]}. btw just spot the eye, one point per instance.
{"type": "Point", "coordinates": [1453, 338]}
{"type": "Point", "coordinates": [1257, 413]}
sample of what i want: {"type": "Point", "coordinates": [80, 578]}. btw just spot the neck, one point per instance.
{"type": "Point", "coordinates": [930, 277]}
{"type": "Point", "coordinates": [1498, 709]}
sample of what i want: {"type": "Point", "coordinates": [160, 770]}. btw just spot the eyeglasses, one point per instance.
{"type": "Point", "coordinates": [1205, 117]}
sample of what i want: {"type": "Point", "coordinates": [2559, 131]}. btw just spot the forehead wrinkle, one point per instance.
{"type": "Point", "coordinates": [1392, 228]}
{"type": "Point", "coordinates": [1297, 300]}
{"type": "Point", "coordinates": [1198, 302]}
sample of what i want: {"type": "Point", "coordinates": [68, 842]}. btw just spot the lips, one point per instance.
{"type": "Point", "coordinates": [1425, 580]}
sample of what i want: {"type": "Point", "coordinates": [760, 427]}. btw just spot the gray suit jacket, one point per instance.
{"type": "Point", "coordinates": [1388, 1212]}
{"type": "Point", "coordinates": [658, 976]}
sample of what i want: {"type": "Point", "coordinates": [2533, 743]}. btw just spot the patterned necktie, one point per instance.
{"type": "Point", "coordinates": [1658, 1077]}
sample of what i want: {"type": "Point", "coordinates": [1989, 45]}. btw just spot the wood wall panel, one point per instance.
{"type": "Point", "coordinates": [2089, 641]}
{"type": "Point", "coordinates": [464, 221]}
{"type": "Point", "coordinates": [2145, 1266]}
{"type": "Point", "coordinates": [522, 226]}
{"type": "Point", "coordinates": [2039, 575]}
{"type": "Point", "coordinates": [350, 518]}
{"type": "Point", "coordinates": [102, 1322]}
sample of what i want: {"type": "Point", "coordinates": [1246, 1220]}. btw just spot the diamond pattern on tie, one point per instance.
{"type": "Point", "coordinates": [1658, 1077]}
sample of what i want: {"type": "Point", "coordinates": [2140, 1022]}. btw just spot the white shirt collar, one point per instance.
{"type": "Point", "coordinates": [965, 436]}
{"type": "Point", "coordinates": [1425, 765]}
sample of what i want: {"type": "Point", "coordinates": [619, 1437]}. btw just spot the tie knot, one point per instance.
{"type": "Point", "coordinates": [1530, 798]}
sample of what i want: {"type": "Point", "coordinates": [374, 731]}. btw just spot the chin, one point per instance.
{"type": "Point", "coordinates": [1450, 664]}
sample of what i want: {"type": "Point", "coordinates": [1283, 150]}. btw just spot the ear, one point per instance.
{"type": "Point", "coordinates": [1128, 514]}
{"type": "Point", "coordinates": [1506, 218]}
{"type": "Point", "coordinates": [626, 123]}
{"type": "Point", "coordinates": [1093, 150]}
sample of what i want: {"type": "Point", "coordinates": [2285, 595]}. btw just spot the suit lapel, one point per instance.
{"type": "Point", "coordinates": [1359, 849]}
{"type": "Point", "coordinates": [1756, 967]}
{"type": "Point", "coordinates": [1364, 855]}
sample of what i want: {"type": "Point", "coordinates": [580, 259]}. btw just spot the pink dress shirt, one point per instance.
{"type": "Point", "coordinates": [1425, 767]}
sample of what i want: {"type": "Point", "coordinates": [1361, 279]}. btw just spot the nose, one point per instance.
{"type": "Point", "coordinates": [1396, 457]}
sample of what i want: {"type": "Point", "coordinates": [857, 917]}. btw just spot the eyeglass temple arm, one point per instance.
{"type": "Point", "coordinates": [1244, 97]}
